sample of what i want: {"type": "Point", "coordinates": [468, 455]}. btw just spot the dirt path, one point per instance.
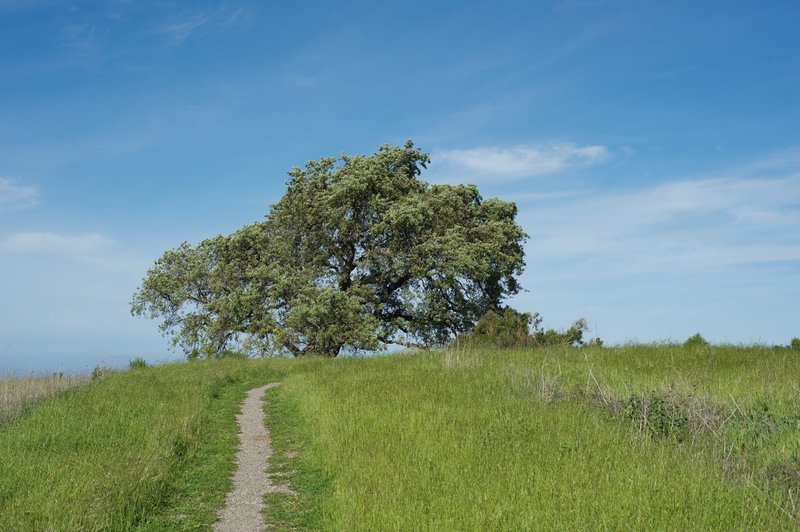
{"type": "Point", "coordinates": [243, 506]}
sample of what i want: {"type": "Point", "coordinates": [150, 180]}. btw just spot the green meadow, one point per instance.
{"type": "Point", "coordinates": [655, 437]}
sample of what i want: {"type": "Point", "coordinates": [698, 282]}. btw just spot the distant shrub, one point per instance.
{"type": "Point", "coordinates": [137, 363]}
{"type": "Point", "coordinates": [794, 345]}
{"type": "Point", "coordinates": [572, 336]}
{"type": "Point", "coordinates": [696, 340]}
{"type": "Point", "coordinates": [511, 328]}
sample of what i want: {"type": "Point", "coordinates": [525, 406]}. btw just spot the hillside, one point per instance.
{"type": "Point", "coordinates": [639, 436]}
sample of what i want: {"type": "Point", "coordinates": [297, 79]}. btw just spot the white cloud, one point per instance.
{"type": "Point", "coordinates": [491, 163]}
{"type": "Point", "coordinates": [204, 21]}
{"type": "Point", "coordinates": [36, 242]}
{"type": "Point", "coordinates": [688, 226]}
{"type": "Point", "coordinates": [13, 196]}
{"type": "Point", "coordinates": [83, 43]}
{"type": "Point", "coordinates": [718, 253]}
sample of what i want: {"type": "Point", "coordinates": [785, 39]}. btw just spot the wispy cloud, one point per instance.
{"type": "Point", "coordinates": [718, 252]}
{"type": "Point", "coordinates": [83, 44]}
{"type": "Point", "coordinates": [689, 226]}
{"type": "Point", "coordinates": [13, 196]}
{"type": "Point", "coordinates": [204, 22]}
{"type": "Point", "coordinates": [492, 163]}
{"type": "Point", "coordinates": [81, 37]}
{"type": "Point", "coordinates": [37, 242]}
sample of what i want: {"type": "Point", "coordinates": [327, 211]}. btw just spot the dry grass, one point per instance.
{"type": "Point", "coordinates": [18, 392]}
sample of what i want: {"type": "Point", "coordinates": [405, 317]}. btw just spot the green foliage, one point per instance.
{"type": "Point", "coordinates": [511, 328]}
{"type": "Point", "coordinates": [658, 414]}
{"type": "Point", "coordinates": [795, 344]}
{"type": "Point", "coordinates": [137, 363]}
{"type": "Point", "coordinates": [695, 341]}
{"type": "Point", "coordinates": [358, 253]}
{"type": "Point", "coordinates": [572, 336]}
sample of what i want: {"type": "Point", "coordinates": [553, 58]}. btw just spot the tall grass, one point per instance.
{"type": "Point", "coordinates": [152, 446]}
{"type": "Point", "coordinates": [664, 437]}
{"type": "Point", "coordinates": [18, 392]}
{"type": "Point", "coordinates": [529, 439]}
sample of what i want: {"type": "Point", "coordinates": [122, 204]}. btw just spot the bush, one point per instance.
{"type": "Point", "coordinates": [572, 336]}
{"type": "Point", "coordinates": [512, 328]}
{"type": "Point", "coordinates": [509, 329]}
{"type": "Point", "coordinates": [794, 345]}
{"type": "Point", "coordinates": [659, 415]}
{"type": "Point", "coordinates": [696, 340]}
{"type": "Point", "coordinates": [137, 363]}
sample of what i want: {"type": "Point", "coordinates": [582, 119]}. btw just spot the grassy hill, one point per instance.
{"type": "Point", "coordinates": [131, 449]}
{"type": "Point", "coordinates": [640, 436]}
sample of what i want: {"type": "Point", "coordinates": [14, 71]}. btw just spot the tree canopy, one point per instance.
{"type": "Point", "coordinates": [359, 253]}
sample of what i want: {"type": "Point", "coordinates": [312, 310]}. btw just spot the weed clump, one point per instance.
{"type": "Point", "coordinates": [658, 414]}
{"type": "Point", "coordinates": [696, 341]}
{"type": "Point", "coordinates": [786, 472]}
{"type": "Point", "coordinates": [137, 363]}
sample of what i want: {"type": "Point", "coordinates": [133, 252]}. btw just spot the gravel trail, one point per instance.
{"type": "Point", "coordinates": [244, 504]}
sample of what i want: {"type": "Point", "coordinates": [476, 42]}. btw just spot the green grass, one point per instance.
{"type": "Point", "coordinates": [539, 439]}
{"type": "Point", "coordinates": [661, 437]}
{"type": "Point", "coordinates": [150, 448]}
{"type": "Point", "coordinates": [312, 485]}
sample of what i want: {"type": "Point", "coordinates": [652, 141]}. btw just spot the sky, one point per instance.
{"type": "Point", "coordinates": [652, 148]}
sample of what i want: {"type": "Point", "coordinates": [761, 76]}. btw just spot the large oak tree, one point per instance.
{"type": "Point", "coordinates": [359, 253]}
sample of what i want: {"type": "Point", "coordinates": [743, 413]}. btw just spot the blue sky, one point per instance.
{"type": "Point", "coordinates": [653, 149]}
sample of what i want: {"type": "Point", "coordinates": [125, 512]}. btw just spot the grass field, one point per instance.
{"type": "Point", "coordinates": [150, 448]}
{"type": "Point", "coordinates": [543, 439]}
{"type": "Point", "coordinates": [16, 393]}
{"type": "Point", "coordinates": [662, 437]}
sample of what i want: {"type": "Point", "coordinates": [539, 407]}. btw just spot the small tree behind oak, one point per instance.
{"type": "Point", "coordinates": [359, 253]}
